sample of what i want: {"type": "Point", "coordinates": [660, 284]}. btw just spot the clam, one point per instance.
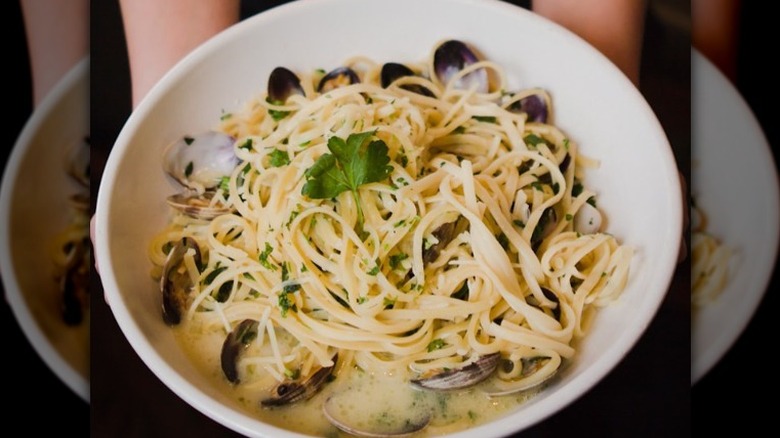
{"type": "Point", "coordinates": [199, 206]}
{"type": "Point", "coordinates": [444, 234]}
{"type": "Point", "coordinates": [418, 419]}
{"type": "Point", "coordinates": [283, 83]}
{"type": "Point", "coordinates": [453, 56]}
{"type": "Point", "coordinates": [587, 220]}
{"type": "Point", "coordinates": [531, 367]}
{"type": "Point", "coordinates": [201, 161]}
{"type": "Point", "coordinates": [534, 105]}
{"type": "Point", "coordinates": [291, 391]}
{"type": "Point", "coordinates": [459, 378]}
{"type": "Point", "coordinates": [236, 342]}
{"type": "Point", "coordinates": [393, 71]}
{"type": "Point", "coordinates": [338, 77]}
{"type": "Point", "coordinates": [175, 283]}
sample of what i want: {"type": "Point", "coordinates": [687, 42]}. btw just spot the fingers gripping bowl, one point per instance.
{"type": "Point", "coordinates": [636, 182]}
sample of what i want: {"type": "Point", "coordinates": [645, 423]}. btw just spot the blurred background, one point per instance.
{"type": "Point", "coordinates": [33, 386]}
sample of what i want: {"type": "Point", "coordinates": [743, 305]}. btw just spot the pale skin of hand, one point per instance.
{"type": "Point", "coordinates": [160, 33]}
{"type": "Point", "coordinates": [57, 35]}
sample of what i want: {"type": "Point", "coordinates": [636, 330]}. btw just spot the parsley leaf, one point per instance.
{"type": "Point", "coordinates": [350, 164]}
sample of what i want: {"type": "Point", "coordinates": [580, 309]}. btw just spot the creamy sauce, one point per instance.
{"type": "Point", "coordinates": [373, 401]}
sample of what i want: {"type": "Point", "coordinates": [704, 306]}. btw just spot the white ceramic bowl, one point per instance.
{"type": "Point", "coordinates": [735, 183]}
{"type": "Point", "coordinates": [34, 209]}
{"type": "Point", "coordinates": [637, 182]}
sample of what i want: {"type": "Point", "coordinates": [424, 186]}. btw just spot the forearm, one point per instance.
{"type": "Point", "coordinates": [716, 32]}
{"type": "Point", "coordinates": [160, 33]}
{"type": "Point", "coordinates": [57, 38]}
{"type": "Point", "coordinates": [614, 27]}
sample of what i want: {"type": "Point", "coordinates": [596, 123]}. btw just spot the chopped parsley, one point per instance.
{"type": "Point", "coordinates": [224, 184]}
{"type": "Point", "coordinates": [263, 257]}
{"type": "Point", "coordinates": [396, 259]}
{"type": "Point", "coordinates": [533, 140]}
{"type": "Point", "coordinates": [279, 158]}
{"type": "Point", "coordinates": [276, 114]}
{"type": "Point", "coordinates": [188, 170]}
{"type": "Point", "coordinates": [247, 144]}
{"type": "Point", "coordinates": [374, 271]}
{"type": "Point", "coordinates": [569, 216]}
{"type": "Point", "coordinates": [486, 119]}
{"type": "Point", "coordinates": [436, 344]}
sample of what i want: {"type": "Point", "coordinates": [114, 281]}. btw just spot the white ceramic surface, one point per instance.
{"type": "Point", "coordinates": [637, 182]}
{"type": "Point", "coordinates": [34, 209]}
{"type": "Point", "coordinates": [735, 183]}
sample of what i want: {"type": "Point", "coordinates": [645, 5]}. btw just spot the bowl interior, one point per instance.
{"type": "Point", "coordinates": [594, 103]}
{"type": "Point", "coordinates": [34, 209]}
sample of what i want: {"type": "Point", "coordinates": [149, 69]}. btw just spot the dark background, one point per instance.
{"type": "Point", "coordinates": [30, 389]}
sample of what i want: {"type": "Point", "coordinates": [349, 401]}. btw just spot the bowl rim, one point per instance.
{"type": "Point", "coordinates": [705, 357]}
{"type": "Point", "coordinates": [239, 421]}
{"type": "Point", "coordinates": [14, 294]}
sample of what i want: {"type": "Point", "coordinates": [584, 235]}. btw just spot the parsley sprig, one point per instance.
{"type": "Point", "coordinates": [351, 163]}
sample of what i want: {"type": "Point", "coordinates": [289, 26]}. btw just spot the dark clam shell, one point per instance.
{"type": "Point", "coordinates": [534, 105]}
{"type": "Point", "coordinates": [453, 56]}
{"type": "Point", "coordinates": [175, 283]}
{"type": "Point", "coordinates": [338, 77]}
{"type": "Point", "coordinates": [460, 378]}
{"type": "Point", "coordinates": [283, 83]}
{"type": "Point", "coordinates": [393, 71]}
{"type": "Point", "coordinates": [236, 343]}
{"type": "Point", "coordinates": [291, 391]}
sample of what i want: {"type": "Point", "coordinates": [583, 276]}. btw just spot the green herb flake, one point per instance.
{"type": "Point", "coordinates": [279, 158]}
{"type": "Point", "coordinates": [247, 144]}
{"type": "Point", "coordinates": [533, 140]}
{"type": "Point", "coordinates": [486, 119]}
{"type": "Point", "coordinates": [436, 344]}
{"type": "Point", "coordinates": [569, 216]}
{"type": "Point", "coordinates": [402, 181]}
{"type": "Point", "coordinates": [566, 143]}
{"type": "Point", "coordinates": [285, 304]}
{"type": "Point", "coordinates": [537, 185]}
{"type": "Point", "coordinates": [362, 300]}
{"type": "Point", "coordinates": [374, 271]}
{"type": "Point", "coordinates": [188, 170]}
{"type": "Point", "coordinates": [389, 302]}
{"type": "Point", "coordinates": [188, 140]}
{"type": "Point", "coordinates": [276, 114]}
{"type": "Point", "coordinates": [400, 223]}
{"type": "Point", "coordinates": [224, 184]}
{"type": "Point", "coordinates": [293, 215]}
{"type": "Point", "coordinates": [396, 259]}
{"type": "Point", "coordinates": [292, 374]}
{"type": "Point", "coordinates": [263, 258]}
{"type": "Point", "coordinates": [225, 116]}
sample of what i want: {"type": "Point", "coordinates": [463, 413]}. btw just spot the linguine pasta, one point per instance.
{"type": "Point", "coordinates": [468, 248]}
